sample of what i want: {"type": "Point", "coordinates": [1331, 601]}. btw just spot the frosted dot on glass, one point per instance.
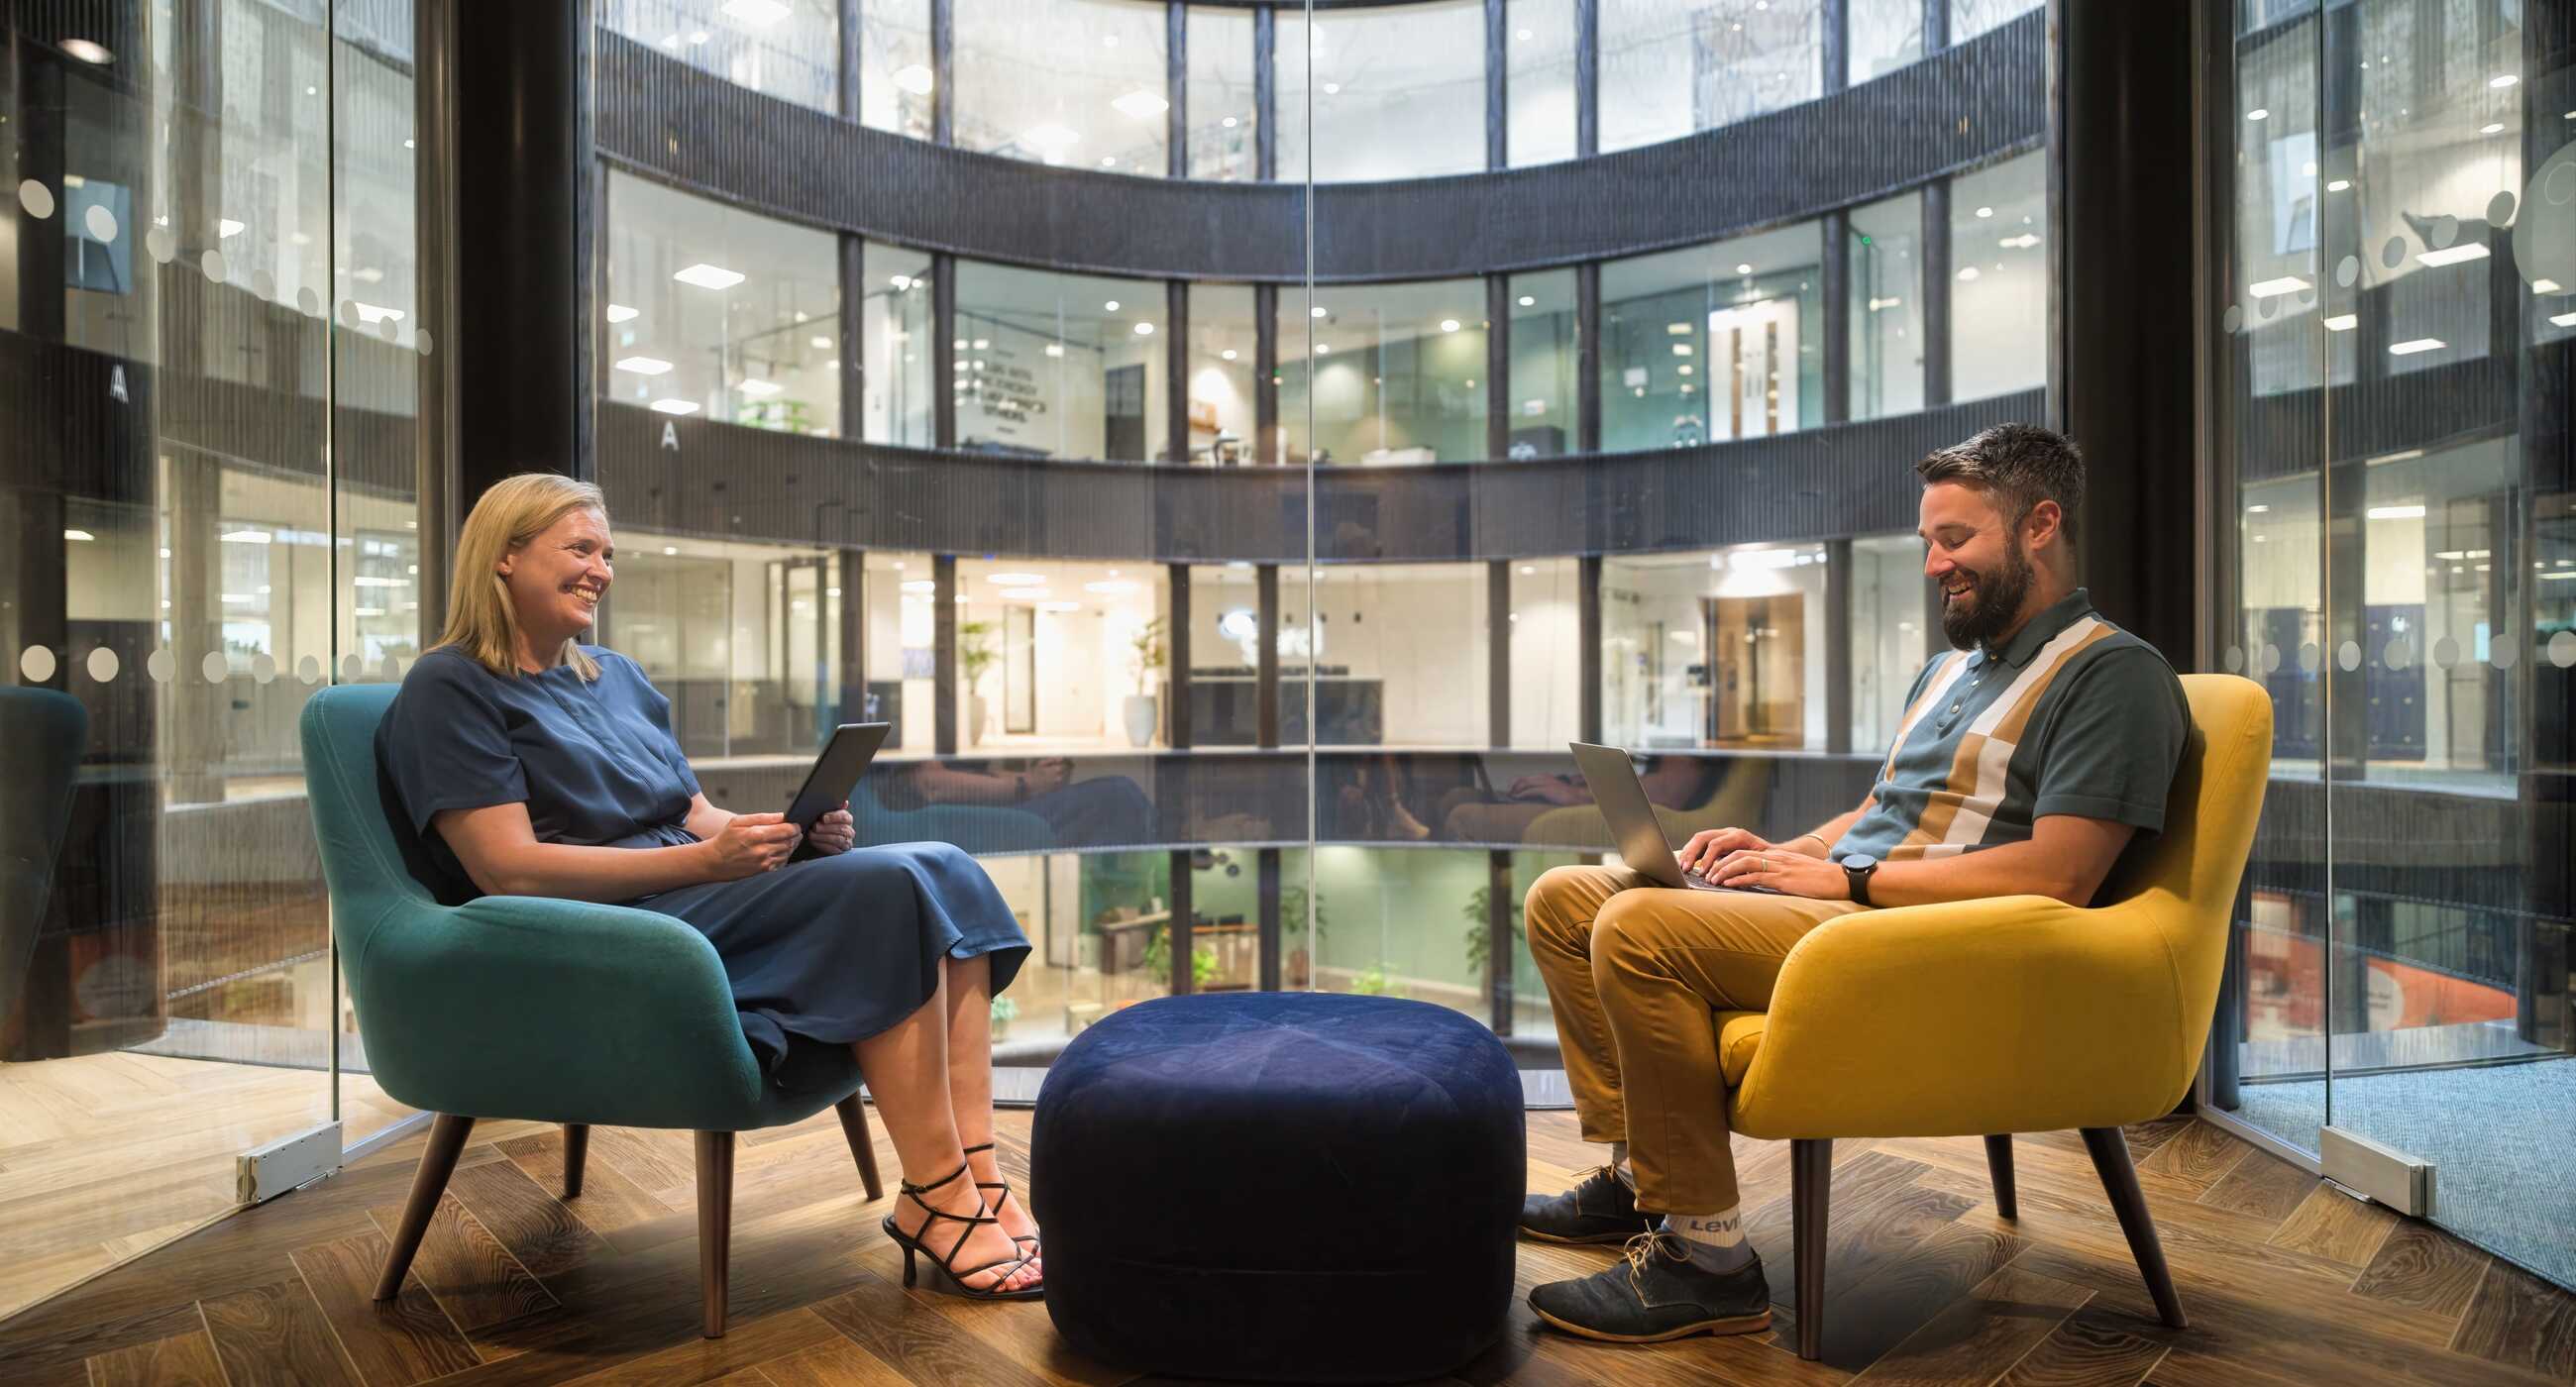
{"type": "Point", "coordinates": [2271, 659]}
{"type": "Point", "coordinates": [160, 244]}
{"type": "Point", "coordinates": [214, 667]}
{"type": "Point", "coordinates": [2347, 270]}
{"type": "Point", "coordinates": [2310, 657]}
{"type": "Point", "coordinates": [2233, 320]}
{"type": "Point", "coordinates": [36, 198]}
{"type": "Point", "coordinates": [37, 663]}
{"type": "Point", "coordinates": [103, 665]}
{"type": "Point", "coordinates": [308, 670]}
{"type": "Point", "coordinates": [352, 669]}
{"type": "Point", "coordinates": [308, 303]}
{"type": "Point", "coordinates": [2500, 209]}
{"type": "Point", "coordinates": [392, 670]}
{"type": "Point", "coordinates": [2398, 655]}
{"type": "Point", "coordinates": [100, 223]}
{"type": "Point", "coordinates": [2504, 652]}
{"type": "Point", "coordinates": [420, 340]}
{"type": "Point", "coordinates": [2562, 650]}
{"type": "Point", "coordinates": [2446, 652]}
{"type": "Point", "coordinates": [2235, 660]}
{"type": "Point", "coordinates": [263, 284]}
{"type": "Point", "coordinates": [161, 665]}
{"type": "Point", "coordinates": [263, 667]}
{"type": "Point", "coordinates": [212, 262]}
{"type": "Point", "coordinates": [2348, 656]}
{"type": "Point", "coordinates": [387, 329]}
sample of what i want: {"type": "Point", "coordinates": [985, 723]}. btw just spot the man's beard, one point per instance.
{"type": "Point", "coordinates": [1991, 601]}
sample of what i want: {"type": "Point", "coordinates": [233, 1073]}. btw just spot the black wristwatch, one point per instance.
{"type": "Point", "coordinates": [1856, 870]}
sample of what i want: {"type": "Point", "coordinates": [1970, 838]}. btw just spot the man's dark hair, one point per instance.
{"type": "Point", "coordinates": [2020, 464]}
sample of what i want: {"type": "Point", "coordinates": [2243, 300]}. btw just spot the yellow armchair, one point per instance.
{"type": "Point", "coordinates": [2020, 1014]}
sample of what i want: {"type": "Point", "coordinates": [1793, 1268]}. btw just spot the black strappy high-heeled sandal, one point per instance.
{"type": "Point", "coordinates": [994, 1205]}
{"type": "Point", "coordinates": [944, 1269]}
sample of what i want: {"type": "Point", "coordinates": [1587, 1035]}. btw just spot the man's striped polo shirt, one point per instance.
{"type": "Point", "coordinates": [2071, 716]}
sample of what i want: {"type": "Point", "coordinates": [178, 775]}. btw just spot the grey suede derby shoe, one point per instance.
{"type": "Point", "coordinates": [1656, 1293]}
{"type": "Point", "coordinates": [1602, 1209]}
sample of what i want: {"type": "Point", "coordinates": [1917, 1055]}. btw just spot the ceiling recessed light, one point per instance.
{"type": "Point", "coordinates": [1142, 104]}
{"type": "Point", "coordinates": [2472, 250]}
{"type": "Point", "coordinates": [1114, 586]}
{"type": "Point", "coordinates": [915, 79]}
{"type": "Point", "coordinates": [79, 536]}
{"type": "Point", "coordinates": [1015, 580]}
{"type": "Point", "coordinates": [1523, 35]}
{"type": "Point", "coordinates": [227, 228]}
{"type": "Point", "coordinates": [2420, 344]}
{"type": "Point", "coordinates": [1144, 329]}
{"type": "Point", "coordinates": [1108, 161]}
{"type": "Point", "coordinates": [2495, 127]}
{"type": "Point", "coordinates": [1968, 275]}
{"type": "Point", "coordinates": [2287, 284]}
{"type": "Point", "coordinates": [1985, 211]}
{"type": "Point", "coordinates": [1052, 138]}
{"type": "Point", "coordinates": [2562, 319]}
{"type": "Point", "coordinates": [1332, 89]}
{"type": "Point", "coordinates": [1744, 269]}
{"type": "Point", "coordinates": [1110, 307]}
{"type": "Point", "coordinates": [2395, 513]}
{"type": "Point", "coordinates": [2257, 510]}
{"type": "Point", "coordinates": [618, 313]}
{"type": "Point", "coordinates": [2339, 185]}
{"type": "Point", "coordinates": [676, 406]}
{"type": "Point", "coordinates": [644, 365]}
{"type": "Point", "coordinates": [371, 315]}
{"type": "Point", "coordinates": [1448, 325]}
{"type": "Point", "coordinates": [1229, 122]}
{"type": "Point", "coordinates": [88, 52]}
{"type": "Point", "coordinates": [1528, 301]}
{"type": "Point", "coordinates": [699, 36]}
{"type": "Point", "coordinates": [2342, 322]}
{"type": "Point", "coordinates": [1315, 312]}
{"type": "Point", "coordinates": [706, 276]}
{"type": "Point", "coordinates": [2258, 113]}
{"type": "Point", "coordinates": [1323, 347]}
{"type": "Point", "coordinates": [921, 585]}
{"type": "Point", "coordinates": [761, 389]}
{"type": "Point", "coordinates": [2500, 83]}
{"type": "Point", "coordinates": [819, 342]}
{"type": "Point", "coordinates": [2545, 286]}
{"type": "Point", "coordinates": [670, 550]}
{"type": "Point", "coordinates": [1055, 349]}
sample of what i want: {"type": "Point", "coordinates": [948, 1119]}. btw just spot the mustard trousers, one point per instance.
{"type": "Point", "coordinates": [1637, 974]}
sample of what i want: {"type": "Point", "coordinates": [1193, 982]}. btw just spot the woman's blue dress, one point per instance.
{"type": "Point", "coordinates": [830, 950]}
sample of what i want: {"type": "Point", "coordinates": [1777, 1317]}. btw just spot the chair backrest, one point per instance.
{"type": "Point", "coordinates": [2188, 875]}
{"type": "Point", "coordinates": [42, 736]}
{"type": "Point", "coordinates": [365, 859]}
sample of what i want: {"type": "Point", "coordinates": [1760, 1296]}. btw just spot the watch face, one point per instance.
{"type": "Point", "coordinates": [1859, 861]}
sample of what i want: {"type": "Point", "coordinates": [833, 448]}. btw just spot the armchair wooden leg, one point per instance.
{"type": "Point", "coordinates": [863, 1147]}
{"type": "Point", "coordinates": [1811, 1179]}
{"type": "Point", "coordinates": [437, 1162]}
{"type": "Point", "coordinates": [2120, 1180]}
{"type": "Point", "coordinates": [1999, 1164]}
{"type": "Point", "coordinates": [715, 1224]}
{"type": "Point", "coordinates": [576, 1153]}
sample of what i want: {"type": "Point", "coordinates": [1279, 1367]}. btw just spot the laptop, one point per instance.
{"type": "Point", "coordinates": [1633, 825]}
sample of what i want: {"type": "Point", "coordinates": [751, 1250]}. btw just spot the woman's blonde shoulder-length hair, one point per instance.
{"type": "Point", "coordinates": [481, 622]}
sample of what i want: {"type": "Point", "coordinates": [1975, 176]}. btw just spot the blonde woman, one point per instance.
{"type": "Point", "coordinates": [534, 765]}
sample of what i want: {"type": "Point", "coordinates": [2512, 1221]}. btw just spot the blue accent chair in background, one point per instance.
{"type": "Point", "coordinates": [533, 1008]}
{"type": "Point", "coordinates": [979, 829]}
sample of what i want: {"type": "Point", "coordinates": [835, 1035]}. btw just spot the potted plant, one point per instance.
{"type": "Point", "coordinates": [1146, 663]}
{"type": "Point", "coordinates": [1375, 981]}
{"type": "Point", "coordinates": [1299, 964]}
{"type": "Point", "coordinates": [1004, 1011]}
{"type": "Point", "coordinates": [975, 655]}
{"type": "Point", "coordinates": [1480, 916]}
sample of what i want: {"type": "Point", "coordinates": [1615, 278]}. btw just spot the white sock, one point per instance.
{"type": "Point", "coordinates": [1619, 1166]}
{"type": "Point", "coordinates": [1715, 1241]}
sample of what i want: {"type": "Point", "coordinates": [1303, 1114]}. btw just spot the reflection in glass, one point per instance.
{"type": "Point", "coordinates": [1669, 67]}
{"type": "Point", "coordinates": [1712, 343]}
{"type": "Point", "coordinates": [1539, 81]}
{"type": "Point", "coordinates": [1721, 649]}
{"type": "Point", "coordinates": [1393, 92]}
{"type": "Point", "coordinates": [1059, 365]}
{"type": "Point", "coordinates": [1224, 118]}
{"type": "Point", "coordinates": [789, 49]}
{"type": "Point", "coordinates": [1889, 635]}
{"type": "Point", "coordinates": [1999, 289]}
{"type": "Point", "coordinates": [1969, 18]}
{"type": "Point", "coordinates": [896, 327]}
{"type": "Point", "coordinates": [896, 82]}
{"type": "Point", "coordinates": [1074, 82]}
{"type": "Point", "coordinates": [715, 312]}
{"type": "Point", "coordinates": [1223, 347]}
{"type": "Point", "coordinates": [1543, 394]}
{"type": "Point", "coordinates": [1391, 372]}
{"type": "Point", "coordinates": [1886, 307]}
{"type": "Point", "coordinates": [1885, 35]}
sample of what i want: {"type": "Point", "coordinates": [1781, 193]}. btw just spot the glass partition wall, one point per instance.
{"type": "Point", "coordinates": [2397, 566]}
{"type": "Point", "coordinates": [211, 333]}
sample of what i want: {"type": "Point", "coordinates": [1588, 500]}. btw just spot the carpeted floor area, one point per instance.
{"type": "Point", "coordinates": [2504, 1165]}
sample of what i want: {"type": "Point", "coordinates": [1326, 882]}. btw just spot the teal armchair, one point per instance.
{"type": "Point", "coordinates": [532, 1008]}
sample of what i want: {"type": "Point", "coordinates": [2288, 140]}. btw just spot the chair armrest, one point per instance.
{"type": "Point", "coordinates": [2015, 1014]}
{"type": "Point", "coordinates": [554, 1010]}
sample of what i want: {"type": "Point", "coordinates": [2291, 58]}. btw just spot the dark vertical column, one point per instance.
{"type": "Point", "coordinates": [1498, 365]}
{"type": "Point", "coordinates": [1587, 626]}
{"type": "Point", "coordinates": [1498, 126]}
{"type": "Point", "coordinates": [520, 163]}
{"type": "Point", "coordinates": [1176, 654]}
{"type": "Point", "coordinates": [2545, 729]}
{"type": "Point", "coordinates": [854, 367]}
{"type": "Point", "coordinates": [1498, 652]}
{"type": "Point", "coordinates": [1587, 357]}
{"type": "Point", "coordinates": [1835, 49]}
{"type": "Point", "coordinates": [1265, 94]}
{"type": "Point", "coordinates": [1838, 645]}
{"type": "Point", "coordinates": [853, 58]}
{"type": "Point", "coordinates": [2121, 330]}
{"type": "Point", "coordinates": [1838, 317]}
{"type": "Point", "coordinates": [943, 352]}
{"type": "Point", "coordinates": [1936, 292]}
{"type": "Point", "coordinates": [1265, 373]}
{"type": "Point", "coordinates": [1266, 676]}
{"type": "Point", "coordinates": [40, 138]}
{"type": "Point", "coordinates": [943, 71]}
{"type": "Point", "coordinates": [943, 654]}
{"type": "Point", "coordinates": [854, 636]}
{"type": "Point", "coordinates": [1176, 81]}
{"type": "Point", "coordinates": [1500, 941]}
{"type": "Point", "coordinates": [1268, 888]}
{"type": "Point", "coordinates": [1587, 78]}
{"type": "Point", "coordinates": [1183, 923]}
{"type": "Point", "coordinates": [1176, 368]}
{"type": "Point", "coordinates": [1936, 26]}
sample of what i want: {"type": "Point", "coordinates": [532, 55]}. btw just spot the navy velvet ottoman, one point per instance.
{"type": "Point", "coordinates": [1280, 1187]}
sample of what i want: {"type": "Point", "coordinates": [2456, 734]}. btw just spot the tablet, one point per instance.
{"type": "Point", "coordinates": [835, 774]}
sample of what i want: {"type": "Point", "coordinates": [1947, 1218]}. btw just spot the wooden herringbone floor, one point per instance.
{"type": "Point", "coordinates": [2286, 1281]}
